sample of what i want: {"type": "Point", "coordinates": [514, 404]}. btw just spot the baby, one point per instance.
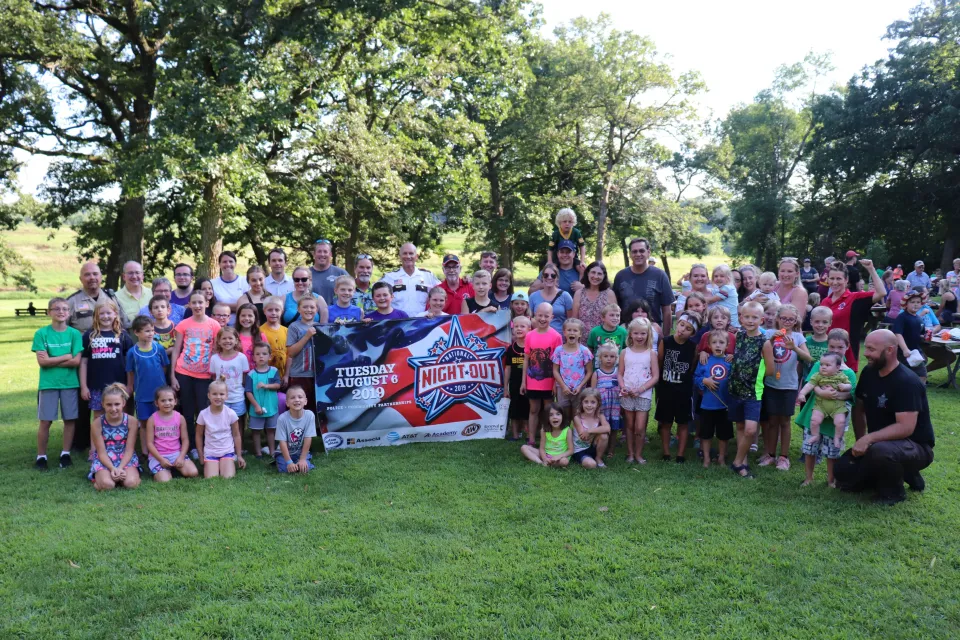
{"type": "Point", "coordinates": [766, 284]}
{"type": "Point", "coordinates": [829, 377]}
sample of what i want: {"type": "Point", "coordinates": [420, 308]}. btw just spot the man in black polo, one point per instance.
{"type": "Point", "coordinates": [892, 422]}
{"type": "Point", "coordinates": [640, 280]}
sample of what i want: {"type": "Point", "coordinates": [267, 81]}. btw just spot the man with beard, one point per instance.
{"type": "Point", "coordinates": [892, 422]}
{"type": "Point", "coordinates": [362, 272]}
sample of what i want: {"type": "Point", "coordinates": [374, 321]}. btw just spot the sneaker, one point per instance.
{"type": "Point", "coordinates": [889, 500]}
{"type": "Point", "coordinates": [265, 451]}
{"type": "Point", "coordinates": [915, 481]}
{"type": "Point", "coordinates": [783, 463]}
{"type": "Point", "coordinates": [65, 460]}
{"type": "Point", "coordinates": [765, 461]}
{"type": "Point", "coordinates": [40, 464]}
{"type": "Point", "coordinates": [194, 454]}
{"type": "Point", "coordinates": [600, 465]}
{"type": "Point", "coordinates": [681, 460]}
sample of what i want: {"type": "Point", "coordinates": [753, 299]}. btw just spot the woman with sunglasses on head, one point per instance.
{"type": "Point", "coordinates": [789, 287]}
{"type": "Point", "coordinates": [561, 301]}
{"type": "Point", "coordinates": [302, 286]}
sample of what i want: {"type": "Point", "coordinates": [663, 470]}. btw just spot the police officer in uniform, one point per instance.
{"type": "Point", "coordinates": [82, 304]}
{"type": "Point", "coordinates": [411, 286]}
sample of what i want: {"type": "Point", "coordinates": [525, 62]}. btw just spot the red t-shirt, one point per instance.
{"type": "Point", "coordinates": [454, 304]}
{"type": "Point", "coordinates": [850, 312]}
{"type": "Point", "coordinates": [704, 344]}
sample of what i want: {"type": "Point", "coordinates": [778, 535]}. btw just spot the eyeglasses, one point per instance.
{"type": "Point", "coordinates": [183, 275]}
{"type": "Point", "coordinates": [549, 276]}
{"type": "Point", "coordinates": [221, 315]}
{"type": "Point", "coordinates": [322, 241]}
{"type": "Point", "coordinates": [364, 256]}
{"type": "Point", "coordinates": [301, 279]}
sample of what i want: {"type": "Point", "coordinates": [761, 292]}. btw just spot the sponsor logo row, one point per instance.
{"type": "Point", "coordinates": [337, 441]}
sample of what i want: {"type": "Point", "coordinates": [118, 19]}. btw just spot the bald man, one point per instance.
{"type": "Point", "coordinates": [892, 422]}
{"type": "Point", "coordinates": [410, 285]}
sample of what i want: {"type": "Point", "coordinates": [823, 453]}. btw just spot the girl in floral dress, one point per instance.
{"type": "Point", "coordinates": [114, 436]}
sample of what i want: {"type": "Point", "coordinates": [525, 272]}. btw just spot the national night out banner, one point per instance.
{"type": "Point", "coordinates": [414, 380]}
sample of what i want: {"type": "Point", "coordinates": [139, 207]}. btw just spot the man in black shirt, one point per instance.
{"type": "Point", "coordinates": [854, 281]}
{"type": "Point", "coordinates": [892, 423]}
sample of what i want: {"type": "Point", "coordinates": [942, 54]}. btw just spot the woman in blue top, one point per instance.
{"type": "Point", "coordinates": [561, 301]}
{"type": "Point", "coordinates": [302, 285]}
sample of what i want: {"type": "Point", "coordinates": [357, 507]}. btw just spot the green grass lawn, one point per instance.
{"type": "Point", "coordinates": [466, 540]}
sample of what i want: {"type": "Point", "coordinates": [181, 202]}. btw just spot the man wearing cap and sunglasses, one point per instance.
{"type": "Point", "coordinates": [917, 277]}
{"type": "Point", "coordinates": [569, 276]}
{"type": "Point", "coordinates": [324, 272]}
{"type": "Point", "coordinates": [411, 286]}
{"type": "Point", "coordinates": [362, 273]}
{"type": "Point", "coordinates": [456, 287]}
{"type": "Point", "coordinates": [854, 281]}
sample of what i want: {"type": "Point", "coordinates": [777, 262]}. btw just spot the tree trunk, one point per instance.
{"type": "Point", "coordinates": [256, 245]}
{"type": "Point", "coordinates": [602, 213]}
{"type": "Point", "coordinates": [111, 272]}
{"type": "Point", "coordinates": [951, 247]}
{"type": "Point", "coordinates": [211, 229]}
{"type": "Point", "coordinates": [353, 239]}
{"type": "Point", "coordinates": [666, 266]}
{"type": "Point", "coordinates": [625, 248]}
{"type": "Point", "coordinates": [504, 244]}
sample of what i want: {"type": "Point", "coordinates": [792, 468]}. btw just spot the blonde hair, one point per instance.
{"type": "Point", "coordinates": [640, 323]}
{"type": "Point", "coordinates": [607, 347]}
{"type": "Point", "coordinates": [436, 290]}
{"type": "Point", "coordinates": [839, 334]}
{"type": "Point", "coordinates": [221, 333]}
{"type": "Point", "coordinates": [718, 310]}
{"type": "Point", "coordinates": [565, 214]}
{"type": "Point", "coordinates": [607, 308]}
{"type": "Point", "coordinates": [722, 269]}
{"type": "Point", "coordinates": [115, 389]}
{"type": "Point", "coordinates": [787, 308]}
{"type": "Point", "coordinates": [575, 322]}
{"type": "Point", "coordinates": [589, 392]}
{"type": "Point", "coordinates": [116, 327]}
{"type": "Point", "coordinates": [220, 382]}
{"type": "Point", "coordinates": [344, 279]}
{"type": "Point", "coordinates": [273, 301]}
{"type": "Point", "coordinates": [481, 273]}
{"type": "Point", "coordinates": [719, 333]}
{"type": "Point", "coordinates": [525, 318]}
{"type": "Point", "coordinates": [767, 276]}
{"type": "Point", "coordinates": [826, 312]}
{"type": "Point", "coordinates": [772, 305]}
{"type": "Point", "coordinates": [753, 305]}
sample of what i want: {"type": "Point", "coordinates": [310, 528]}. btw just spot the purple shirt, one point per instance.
{"type": "Point", "coordinates": [396, 314]}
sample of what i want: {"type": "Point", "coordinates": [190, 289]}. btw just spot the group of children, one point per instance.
{"type": "Point", "coordinates": [713, 380]}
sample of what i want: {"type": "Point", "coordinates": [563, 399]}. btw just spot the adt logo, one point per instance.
{"type": "Point", "coordinates": [332, 441]}
{"type": "Point", "coordinates": [458, 369]}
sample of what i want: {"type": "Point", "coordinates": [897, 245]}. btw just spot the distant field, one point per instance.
{"type": "Point", "coordinates": [57, 267]}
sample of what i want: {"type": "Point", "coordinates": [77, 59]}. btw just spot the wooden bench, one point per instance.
{"type": "Point", "coordinates": [30, 310]}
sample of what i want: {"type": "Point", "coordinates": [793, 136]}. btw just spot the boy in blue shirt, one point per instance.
{"type": "Point", "coordinates": [343, 310]}
{"type": "Point", "coordinates": [712, 378]}
{"type": "Point", "coordinates": [146, 369]}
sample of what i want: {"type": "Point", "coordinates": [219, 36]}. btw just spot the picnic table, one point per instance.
{"type": "Point", "coordinates": [877, 313]}
{"type": "Point", "coordinates": [952, 346]}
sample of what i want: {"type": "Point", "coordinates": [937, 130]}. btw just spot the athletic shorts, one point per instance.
{"type": "Point", "coordinates": [566, 401]}
{"type": "Point", "coordinates": [50, 400]}
{"type": "Point", "coordinates": [537, 394]}
{"type": "Point", "coordinates": [155, 466]}
{"type": "Point", "coordinates": [823, 449]}
{"type": "Point", "coordinates": [213, 458]}
{"type": "Point", "coordinates": [282, 464]}
{"type": "Point", "coordinates": [589, 452]}
{"type": "Point", "coordinates": [519, 406]}
{"type": "Point", "coordinates": [715, 422]}
{"type": "Point", "coordinates": [258, 423]}
{"type": "Point", "coordinates": [743, 410]}
{"type": "Point", "coordinates": [673, 405]}
{"type": "Point", "coordinates": [634, 403]}
{"type": "Point", "coordinates": [96, 400]}
{"type": "Point", "coordinates": [145, 410]}
{"type": "Point", "coordinates": [239, 408]}
{"type": "Point", "coordinates": [920, 369]}
{"type": "Point", "coordinates": [779, 402]}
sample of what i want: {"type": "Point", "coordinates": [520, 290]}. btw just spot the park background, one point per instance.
{"type": "Point", "coordinates": [465, 135]}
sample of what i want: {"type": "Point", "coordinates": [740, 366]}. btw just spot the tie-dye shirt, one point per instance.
{"type": "Point", "coordinates": [197, 346]}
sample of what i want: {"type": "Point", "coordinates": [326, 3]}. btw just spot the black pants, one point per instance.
{"type": "Point", "coordinates": [81, 434]}
{"type": "Point", "coordinates": [193, 400]}
{"type": "Point", "coordinates": [883, 467]}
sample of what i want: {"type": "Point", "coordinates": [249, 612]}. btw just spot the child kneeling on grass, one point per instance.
{"type": "Point", "coordinates": [218, 435]}
{"type": "Point", "coordinates": [556, 442]}
{"type": "Point", "coordinates": [114, 438]}
{"type": "Point", "coordinates": [591, 431]}
{"type": "Point", "coordinates": [167, 442]}
{"type": "Point", "coordinates": [296, 429]}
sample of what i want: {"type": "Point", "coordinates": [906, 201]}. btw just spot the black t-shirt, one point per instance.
{"type": "Point", "coordinates": [473, 306]}
{"type": "Point", "coordinates": [107, 358]}
{"type": "Point", "coordinates": [810, 275]}
{"type": "Point", "coordinates": [859, 315]}
{"type": "Point", "coordinates": [899, 392]}
{"type": "Point", "coordinates": [853, 273]}
{"type": "Point", "coordinates": [676, 376]}
{"type": "Point", "coordinates": [513, 358]}
{"type": "Point", "coordinates": [911, 328]}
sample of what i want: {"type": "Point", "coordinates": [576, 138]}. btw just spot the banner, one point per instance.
{"type": "Point", "coordinates": [413, 380]}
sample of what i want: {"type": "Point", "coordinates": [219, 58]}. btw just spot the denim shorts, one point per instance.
{"type": "Point", "coordinates": [282, 463]}
{"type": "Point", "coordinates": [589, 452]}
{"type": "Point", "coordinates": [239, 408]}
{"type": "Point", "coordinates": [259, 423]}
{"type": "Point", "coordinates": [743, 410]}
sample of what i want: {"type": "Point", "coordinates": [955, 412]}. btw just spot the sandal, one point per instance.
{"type": "Point", "coordinates": [783, 463]}
{"type": "Point", "coordinates": [742, 470]}
{"type": "Point", "coordinates": [641, 461]}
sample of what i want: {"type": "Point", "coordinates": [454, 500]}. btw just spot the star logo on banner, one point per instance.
{"type": "Point", "coordinates": [458, 370]}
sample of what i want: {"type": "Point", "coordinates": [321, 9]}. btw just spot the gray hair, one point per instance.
{"type": "Point", "coordinates": [159, 281]}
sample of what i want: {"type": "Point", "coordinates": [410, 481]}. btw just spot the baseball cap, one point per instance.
{"type": "Point", "coordinates": [450, 258]}
{"type": "Point", "coordinates": [913, 293]}
{"type": "Point", "coordinates": [521, 296]}
{"type": "Point", "coordinates": [567, 244]}
{"type": "Point", "coordinates": [919, 263]}
{"type": "Point", "coordinates": [806, 259]}
{"type": "Point", "coordinates": [852, 254]}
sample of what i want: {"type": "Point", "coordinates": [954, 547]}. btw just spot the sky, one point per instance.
{"type": "Point", "coordinates": [736, 45]}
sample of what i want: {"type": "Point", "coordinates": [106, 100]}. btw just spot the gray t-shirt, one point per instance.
{"type": "Point", "coordinates": [300, 365]}
{"type": "Point", "coordinates": [293, 431]}
{"type": "Point", "coordinates": [652, 285]}
{"type": "Point", "coordinates": [323, 281]}
{"type": "Point", "coordinates": [785, 362]}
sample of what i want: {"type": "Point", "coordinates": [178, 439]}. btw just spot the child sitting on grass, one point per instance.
{"type": "Point", "coordinates": [58, 348]}
{"type": "Point", "coordinates": [218, 435]}
{"type": "Point", "coordinates": [167, 442]}
{"type": "Point", "coordinates": [296, 429]}
{"type": "Point", "coordinates": [113, 435]}
{"type": "Point", "coordinates": [556, 441]}
{"type": "Point", "coordinates": [591, 431]}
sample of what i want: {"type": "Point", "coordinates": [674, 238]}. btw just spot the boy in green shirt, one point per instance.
{"type": "Point", "coordinates": [609, 330]}
{"type": "Point", "coordinates": [58, 350]}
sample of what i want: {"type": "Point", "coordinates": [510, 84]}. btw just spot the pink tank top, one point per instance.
{"type": "Point", "coordinates": [166, 434]}
{"type": "Point", "coordinates": [637, 370]}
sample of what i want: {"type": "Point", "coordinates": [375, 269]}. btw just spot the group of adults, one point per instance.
{"type": "Point", "coordinates": [572, 292]}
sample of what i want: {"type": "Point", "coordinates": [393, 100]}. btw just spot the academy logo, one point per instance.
{"type": "Point", "coordinates": [458, 370]}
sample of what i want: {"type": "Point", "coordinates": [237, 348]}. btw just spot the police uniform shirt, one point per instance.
{"type": "Point", "coordinates": [410, 292]}
{"type": "Point", "coordinates": [81, 309]}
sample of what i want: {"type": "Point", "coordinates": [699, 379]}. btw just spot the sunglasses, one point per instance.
{"type": "Point", "coordinates": [549, 276]}
{"type": "Point", "coordinates": [364, 256]}
{"type": "Point", "coordinates": [322, 241]}
{"type": "Point", "coordinates": [301, 279]}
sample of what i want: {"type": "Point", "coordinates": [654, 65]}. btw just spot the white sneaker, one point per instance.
{"type": "Point", "coordinates": [265, 451]}
{"type": "Point", "coordinates": [194, 454]}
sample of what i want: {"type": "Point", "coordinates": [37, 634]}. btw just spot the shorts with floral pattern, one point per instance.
{"type": "Point", "coordinates": [633, 403]}
{"type": "Point", "coordinates": [826, 448]}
